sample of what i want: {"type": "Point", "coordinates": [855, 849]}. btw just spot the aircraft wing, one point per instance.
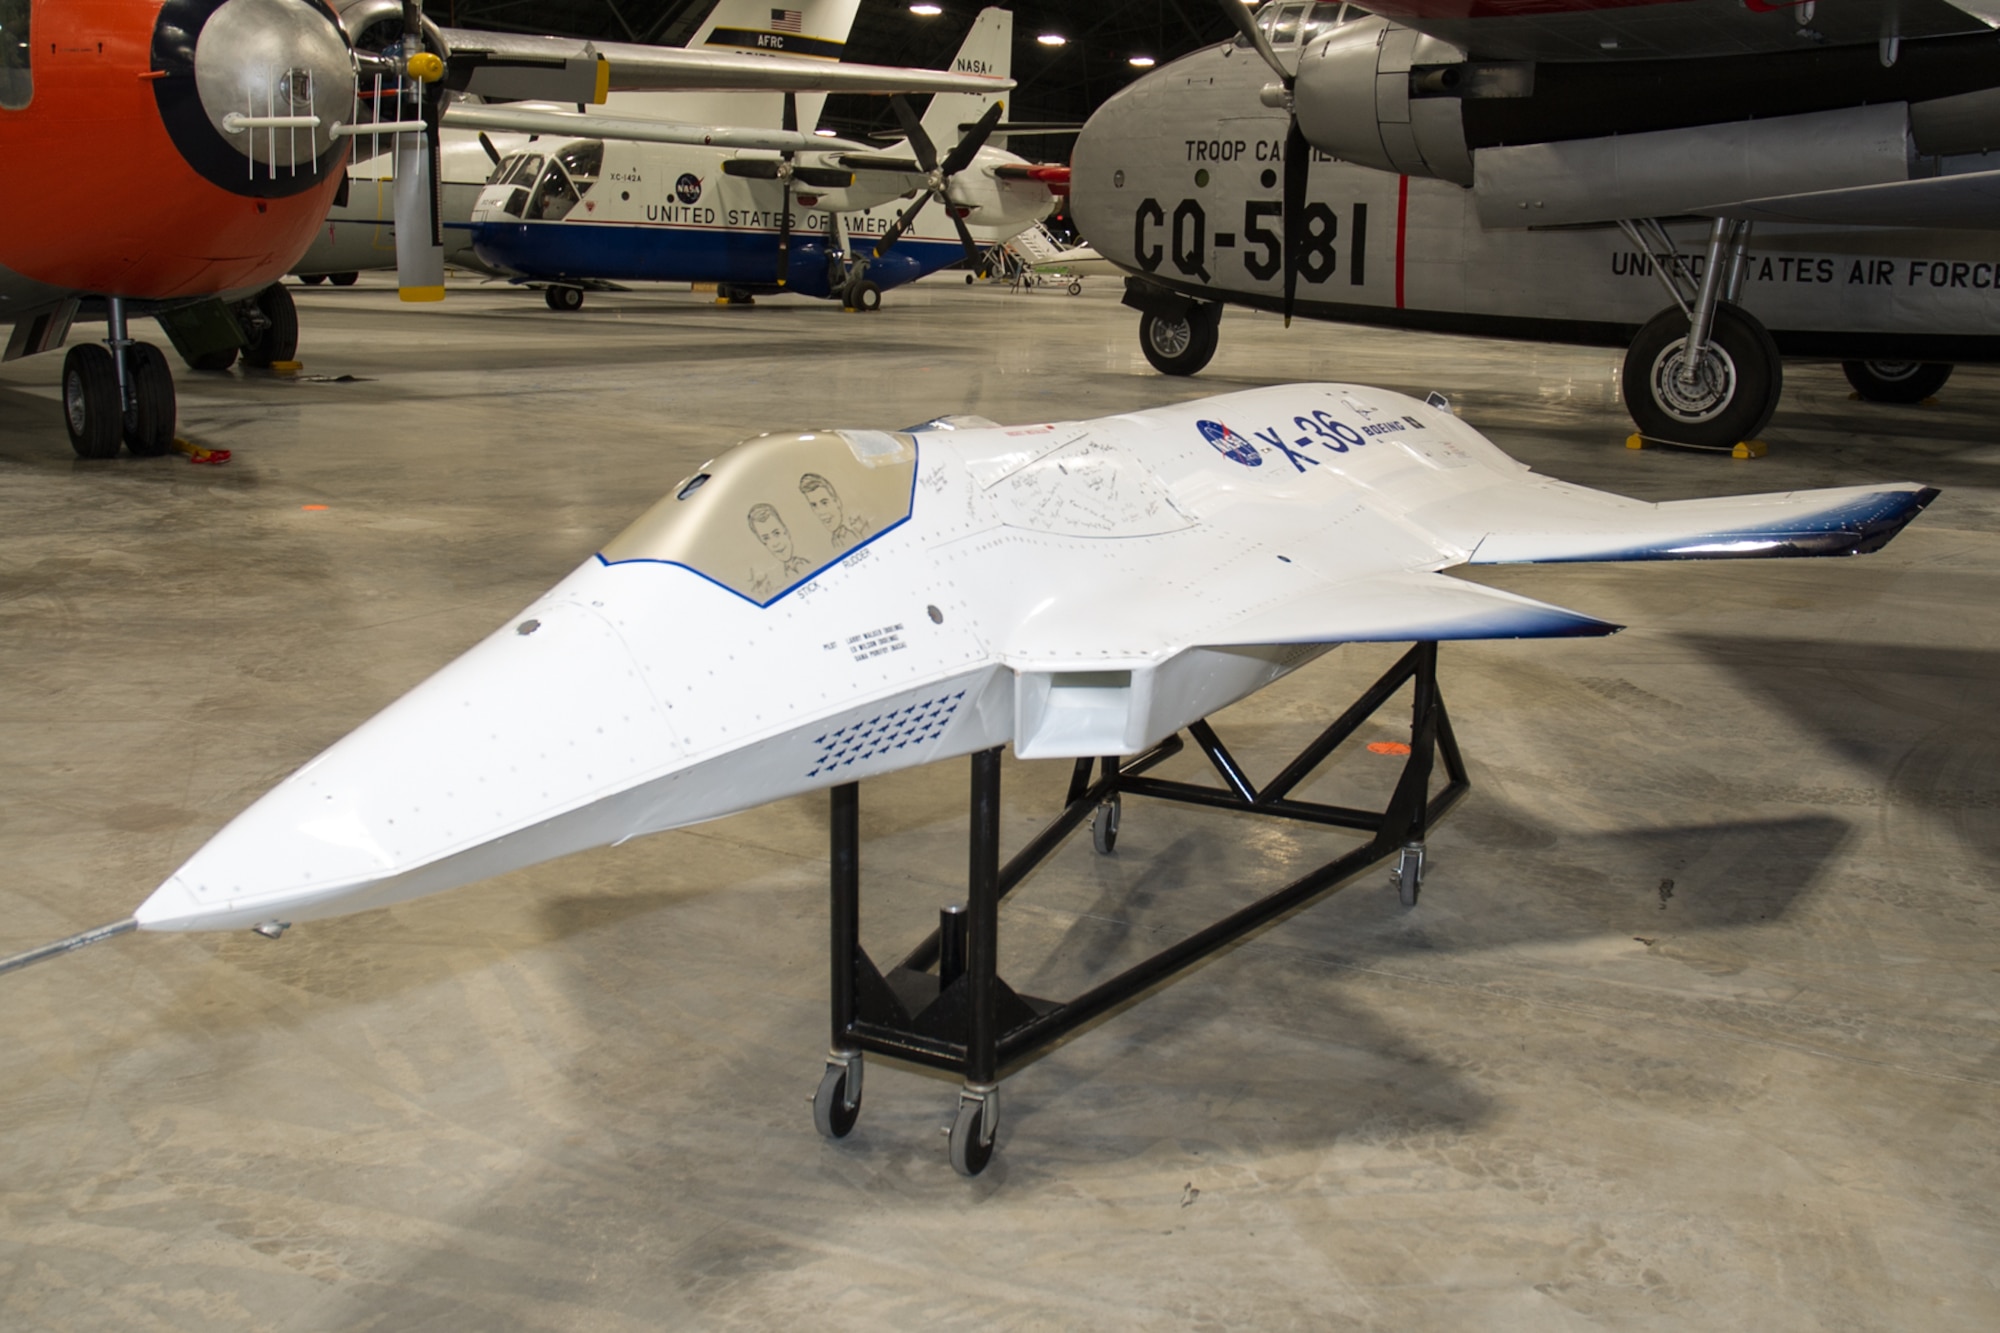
{"type": "Point", "coordinates": [1968, 202]}
{"type": "Point", "coordinates": [494, 62]}
{"type": "Point", "coordinates": [532, 120]}
{"type": "Point", "coordinates": [1405, 607]}
{"type": "Point", "coordinates": [1551, 521]}
{"type": "Point", "coordinates": [1614, 30]}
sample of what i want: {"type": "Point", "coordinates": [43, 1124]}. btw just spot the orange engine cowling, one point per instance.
{"type": "Point", "coordinates": [128, 170]}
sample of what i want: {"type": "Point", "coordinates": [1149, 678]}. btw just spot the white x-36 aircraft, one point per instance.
{"type": "Point", "coordinates": [1542, 170]}
{"type": "Point", "coordinates": [873, 600]}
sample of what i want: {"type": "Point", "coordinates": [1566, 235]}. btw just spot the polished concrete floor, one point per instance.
{"type": "Point", "coordinates": [1695, 1026]}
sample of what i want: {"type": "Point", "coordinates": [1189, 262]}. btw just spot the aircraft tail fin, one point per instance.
{"type": "Point", "coordinates": [988, 49]}
{"type": "Point", "coordinates": [816, 28]}
{"type": "Point", "coordinates": [1560, 522]}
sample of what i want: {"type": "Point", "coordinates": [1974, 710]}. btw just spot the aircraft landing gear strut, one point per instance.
{"type": "Point", "coordinates": [946, 1006]}
{"type": "Point", "coordinates": [1704, 371]}
{"type": "Point", "coordinates": [121, 391]}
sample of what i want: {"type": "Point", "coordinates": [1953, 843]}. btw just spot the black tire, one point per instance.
{"type": "Point", "coordinates": [864, 296]}
{"type": "Point", "coordinates": [149, 424]}
{"type": "Point", "coordinates": [1896, 381]}
{"type": "Point", "coordinates": [312, 279]}
{"type": "Point", "coordinates": [1180, 346]}
{"type": "Point", "coordinates": [832, 1114]}
{"type": "Point", "coordinates": [220, 359]}
{"type": "Point", "coordinates": [971, 1145]}
{"type": "Point", "coordinates": [1729, 402]}
{"type": "Point", "coordinates": [971, 278]}
{"type": "Point", "coordinates": [91, 408]}
{"type": "Point", "coordinates": [1104, 827]}
{"type": "Point", "coordinates": [1076, 286]}
{"type": "Point", "coordinates": [344, 279]}
{"type": "Point", "coordinates": [563, 298]}
{"type": "Point", "coordinates": [277, 339]}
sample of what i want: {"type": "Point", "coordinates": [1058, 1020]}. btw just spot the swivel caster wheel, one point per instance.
{"type": "Point", "coordinates": [1104, 826]}
{"type": "Point", "coordinates": [837, 1104]}
{"type": "Point", "coordinates": [1408, 876]}
{"type": "Point", "coordinates": [973, 1132]}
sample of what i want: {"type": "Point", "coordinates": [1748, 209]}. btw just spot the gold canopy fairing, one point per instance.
{"type": "Point", "coordinates": [774, 511]}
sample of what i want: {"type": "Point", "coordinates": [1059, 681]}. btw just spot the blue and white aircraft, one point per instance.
{"type": "Point", "coordinates": [824, 221]}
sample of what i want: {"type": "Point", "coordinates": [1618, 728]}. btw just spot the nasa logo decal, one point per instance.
{"type": "Point", "coordinates": [1229, 444]}
{"type": "Point", "coordinates": [688, 188]}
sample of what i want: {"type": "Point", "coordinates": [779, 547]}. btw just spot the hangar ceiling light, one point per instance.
{"type": "Point", "coordinates": [1053, 39]}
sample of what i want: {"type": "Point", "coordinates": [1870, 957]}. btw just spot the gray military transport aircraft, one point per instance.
{"type": "Point", "coordinates": [1534, 169]}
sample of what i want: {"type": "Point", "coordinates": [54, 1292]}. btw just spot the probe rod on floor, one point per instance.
{"type": "Point", "coordinates": [65, 946]}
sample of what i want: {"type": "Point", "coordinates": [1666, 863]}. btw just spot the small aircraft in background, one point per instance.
{"type": "Point", "coordinates": [601, 209]}
{"type": "Point", "coordinates": [359, 233]}
{"type": "Point", "coordinates": [233, 120]}
{"type": "Point", "coordinates": [1542, 171]}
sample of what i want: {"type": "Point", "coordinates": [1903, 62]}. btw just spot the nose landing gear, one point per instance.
{"type": "Point", "coordinates": [119, 392]}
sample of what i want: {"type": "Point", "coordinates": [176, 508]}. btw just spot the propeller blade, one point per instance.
{"type": "Point", "coordinates": [419, 252]}
{"type": "Point", "coordinates": [902, 224]}
{"type": "Point", "coordinates": [790, 123]}
{"type": "Point", "coordinates": [965, 236]}
{"type": "Point", "coordinates": [1298, 161]}
{"type": "Point", "coordinates": [1240, 15]}
{"type": "Point", "coordinates": [419, 229]}
{"type": "Point", "coordinates": [913, 130]}
{"type": "Point", "coordinates": [961, 156]}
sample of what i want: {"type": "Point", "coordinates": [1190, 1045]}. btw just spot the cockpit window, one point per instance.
{"type": "Point", "coordinates": [1288, 25]}
{"type": "Point", "coordinates": [566, 181]}
{"type": "Point", "coordinates": [17, 84]}
{"type": "Point", "coordinates": [521, 168]}
{"type": "Point", "coordinates": [774, 511]}
{"type": "Point", "coordinates": [584, 162]}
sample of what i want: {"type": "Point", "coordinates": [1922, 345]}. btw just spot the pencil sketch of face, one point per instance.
{"type": "Point", "coordinates": [771, 530]}
{"type": "Point", "coordinates": [825, 501]}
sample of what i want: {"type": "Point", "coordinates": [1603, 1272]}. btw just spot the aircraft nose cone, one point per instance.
{"type": "Point", "coordinates": [255, 59]}
{"type": "Point", "coordinates": [549, 714]}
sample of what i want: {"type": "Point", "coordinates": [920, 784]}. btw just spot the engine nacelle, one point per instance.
{"type": "Point", "coordinates": [1380, 95]}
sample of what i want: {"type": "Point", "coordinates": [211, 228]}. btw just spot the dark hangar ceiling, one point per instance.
{"type": "Point", "coordinates": [1062, 83]}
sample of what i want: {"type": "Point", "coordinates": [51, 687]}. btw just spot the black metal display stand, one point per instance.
{"type": "Point", "coordinates": [945, 1005]}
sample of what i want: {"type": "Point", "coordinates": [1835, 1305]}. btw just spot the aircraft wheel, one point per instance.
{"type": "Point", "coordinates": [864, 295]}
{"type": "Point", "coordinates": [344, 279]}
{"type": "Point", "coordinates": [563, 298]}
{"type": "Point", "coordinates": [1104, 827]}
{"type": "Point", "coordinates": [149, 425]}
{"type": "Point", "coordinates": [312, 279]}
{"type": "Point", "coordinates": [834, 1111]}
{"type": "Point", "coordinates": [1896, 381]}
{"type": "Point", "coordinates": [973, 1132]}
{"type": "Point", "coordinates": [220, 359]}
{"type": "Point", "coordinates": [1730, 397]}
{"type": "Point", "coordinates": [91, 408]}
{"type": "Point", "coordinates": [1179, 346]}
{"type": "Point", "coordinates": [278, 338]}
{"type": "Point", "coordinates": [1076, 286]}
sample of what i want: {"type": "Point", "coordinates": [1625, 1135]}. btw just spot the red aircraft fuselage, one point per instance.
{"type": "Point", "coordinates": [116, 188]}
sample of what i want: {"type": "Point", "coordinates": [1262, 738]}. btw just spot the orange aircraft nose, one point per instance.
{"type": "Point", "coordinates": [174, 150]}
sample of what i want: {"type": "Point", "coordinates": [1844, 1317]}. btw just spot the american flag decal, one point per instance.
{"type": "Point", "coordinates": [787, 20]}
